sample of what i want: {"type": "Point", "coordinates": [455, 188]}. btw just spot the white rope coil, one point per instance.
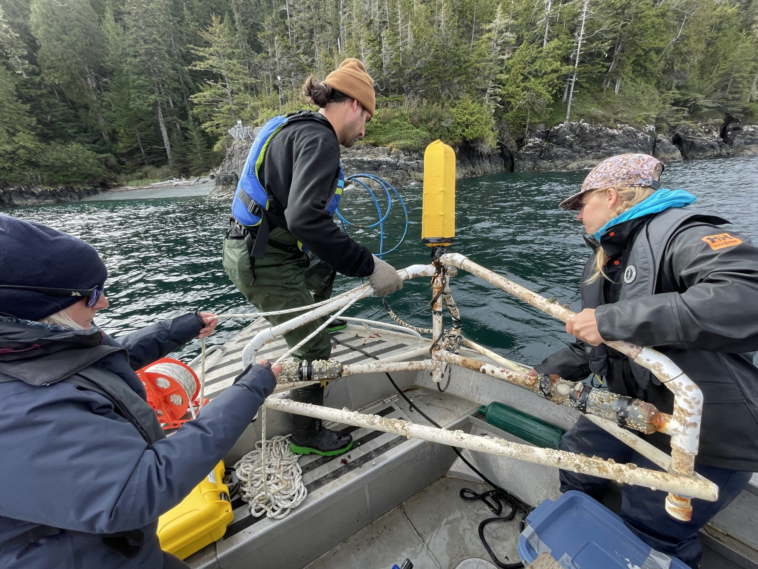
{"type": "Point", "coordinates": [179, 374]}
{"type": "Point", "coordinates": [283, 478]}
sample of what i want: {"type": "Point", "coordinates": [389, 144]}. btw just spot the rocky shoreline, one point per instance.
{"type": "Point", "coordinates": [571, 146]}
{"type": "Point", "coordinates": [568, 146]}
{"type": "Point", "coordinates": [18, 196]}
{"type": "Point", "coordinates": [400, 168]}
{"type": "Point", "coordinates": [575, 146]}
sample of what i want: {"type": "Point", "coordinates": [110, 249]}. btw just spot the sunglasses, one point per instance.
{"type": "Point", "coordinates": [92, 295]}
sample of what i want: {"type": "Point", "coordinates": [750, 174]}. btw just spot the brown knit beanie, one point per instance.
{"type": "Point", "coordinates": [351, 79]}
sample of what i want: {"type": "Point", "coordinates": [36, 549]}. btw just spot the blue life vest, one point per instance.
{"type": "Point", "coordinates": [250, 206]}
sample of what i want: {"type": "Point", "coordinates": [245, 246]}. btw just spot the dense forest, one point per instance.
{"type": "Point", "coordinates": [100, 91]}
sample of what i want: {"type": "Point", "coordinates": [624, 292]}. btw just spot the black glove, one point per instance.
{"type": "Point", "coordinates": [258, 378]}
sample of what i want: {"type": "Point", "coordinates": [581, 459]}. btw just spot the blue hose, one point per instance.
{"type": "Point", "coordinates": [386, 186]}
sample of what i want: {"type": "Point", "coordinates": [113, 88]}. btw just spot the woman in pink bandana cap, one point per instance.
{"type": "Point", "coordinates": [670, 277]}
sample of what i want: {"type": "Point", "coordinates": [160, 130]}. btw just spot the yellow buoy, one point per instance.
{"type": "Point", "coordinates": [438, 219]}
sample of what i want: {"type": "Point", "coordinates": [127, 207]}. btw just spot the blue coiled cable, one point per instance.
{"type": "Point", "coordinates": [387, 187]}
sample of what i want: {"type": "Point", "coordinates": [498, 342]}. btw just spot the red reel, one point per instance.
{"type": "Point", "coordinates": [172, 387]}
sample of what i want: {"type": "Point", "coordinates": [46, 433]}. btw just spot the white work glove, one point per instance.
{"type": "Point", "coordinates": [384, 279]}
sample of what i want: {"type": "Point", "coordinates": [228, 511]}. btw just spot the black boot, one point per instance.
{"type": "Point", "coordinates": [336, 325]}
{"type": "Point", "coordinates": [310, 435]}
{"type": "Point", "coordinates": [321, 441]}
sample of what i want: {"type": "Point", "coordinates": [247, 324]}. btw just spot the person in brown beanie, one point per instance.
{"type": "Point", "coordinates": [283, 249]}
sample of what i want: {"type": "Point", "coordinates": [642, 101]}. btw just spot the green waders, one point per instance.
{"type": "Point", "coordinates": [283, 279]}
{"type": "Point", "coordinates": [287, 279]}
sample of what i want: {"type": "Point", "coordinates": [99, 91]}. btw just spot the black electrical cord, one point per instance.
{"type": "Point", "coordinates": [497, 494]}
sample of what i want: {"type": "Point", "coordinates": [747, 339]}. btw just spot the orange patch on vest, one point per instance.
{"type": "Point", "coordinates": [721, 241]}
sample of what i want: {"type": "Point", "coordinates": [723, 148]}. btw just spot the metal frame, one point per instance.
{"type": "Point", "coordinates": [683, 426]}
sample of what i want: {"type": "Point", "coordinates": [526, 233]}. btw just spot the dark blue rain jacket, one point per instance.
{"type": "Point", "coordinates": [70, 461]}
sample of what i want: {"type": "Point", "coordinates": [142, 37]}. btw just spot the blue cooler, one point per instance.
{"type": "Point", "coordinates": [580, 533]}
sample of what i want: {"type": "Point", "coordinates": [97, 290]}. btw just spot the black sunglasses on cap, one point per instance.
{"type": "Point", "coordinates": [92, 295]}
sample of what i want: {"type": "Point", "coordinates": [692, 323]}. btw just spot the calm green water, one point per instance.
{"type": "Point", "coordinates": [164, 255]}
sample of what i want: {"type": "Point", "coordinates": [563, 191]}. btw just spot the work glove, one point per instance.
{"type": "Point", "coordinates": [257, 376]}
{"type": "Point", "coordinates": [384, 279]}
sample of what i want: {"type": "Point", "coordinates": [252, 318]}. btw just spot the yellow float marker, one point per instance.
{"type": "Point", "coordinates": [438, 218]}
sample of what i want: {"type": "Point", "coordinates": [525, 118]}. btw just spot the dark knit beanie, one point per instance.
{"type": "Point", "coordinates": [32, 254]}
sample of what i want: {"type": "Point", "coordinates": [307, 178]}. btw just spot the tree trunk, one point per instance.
{"type": "Point", "coordinates": [526, 128]}
{"type": "Point", "coordinates": [341, 38]}
{"type": "Point", "coordinates": [547, 22]}
{"type": "Point", "coordinates": [585, 10]}
{"type": "Point", "coordinates": [139, 143]}
{"type": "Point", "coordinates": [617, 49]}
{"type": "Point", "coordinates": [473, 27]}
{"type": "Point", "coordinates": [751, 95]}
{"type": "Point", "coordinates": [164, 133]}
{"type": "Point", "coordinates": [289, 25]}
{"type": "Point", "coordinates": [89, 84]}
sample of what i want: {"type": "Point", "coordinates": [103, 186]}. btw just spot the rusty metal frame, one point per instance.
{"type": "Point", "coordinates": [683, 426]}
{"type": "Point", "coordinates": [601, 406]}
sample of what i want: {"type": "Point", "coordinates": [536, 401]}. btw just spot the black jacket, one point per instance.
{"type": "Point", "coordinates": [301, 169]}
{"type": "Point", "coordinates": [703, 315]}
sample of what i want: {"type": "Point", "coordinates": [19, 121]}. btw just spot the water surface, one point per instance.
{"type": "Point", "coordinates": [164, 255]}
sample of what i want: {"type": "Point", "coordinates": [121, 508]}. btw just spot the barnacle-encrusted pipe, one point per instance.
{"type": "Point", "coordinates": [593, 466]}
{"type": "Point", "coordinates": [438, 284]}
{"type": "Point", "coordinates": [321, 370]}
{"type": "Point", "coordinates": [688, 399]}
{"type": "Point", "coordinates": [622, 410]}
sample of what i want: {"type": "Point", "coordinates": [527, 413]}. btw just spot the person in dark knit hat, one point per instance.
{"type": "Point", "coordinates": [86, 468]}
{"type": "Point", "coordinates": [283, 249]}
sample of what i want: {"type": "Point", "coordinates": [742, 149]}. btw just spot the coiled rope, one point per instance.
{"type": "Point", "coordinates": [273, 485]}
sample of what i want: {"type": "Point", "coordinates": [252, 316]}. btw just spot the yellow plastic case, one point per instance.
{"type": "Point", "coordinates": [438, 217]}
{"type": "Point", "coordinates": [200, 519]}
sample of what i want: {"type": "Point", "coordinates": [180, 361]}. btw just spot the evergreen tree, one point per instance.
{"type": "Point", "coordinates": [18, 144]}
{"type": "Point", "coordinates": [71, 55]}
{"type": "Point", "coordinates": [224, 97]}
{"type": "Point", "coordinates": [161, 81]}
{"type": "Point", "coordinates": [148, 30]}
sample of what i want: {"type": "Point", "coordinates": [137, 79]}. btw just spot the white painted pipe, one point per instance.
{"type": "Point", "coordinates": [405, 356]}
{"type": "Point", "coordinates": [383, 366]}
{"type": "Point", "coordinates": [273, 332]}
{"type": "Point", "coordinates": [623, 473]}
{"type": "Point", "coordinates": [688, 399]}
{"type": "Point", "coordinates": [383, 325]}
{"type": "Point", "coordinates": [505, 362]}
{"type": "Point", "coordinates": [655, 455]}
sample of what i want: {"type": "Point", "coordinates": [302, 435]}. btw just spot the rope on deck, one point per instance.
{"type": "Point", "coordinates": [276, 488]}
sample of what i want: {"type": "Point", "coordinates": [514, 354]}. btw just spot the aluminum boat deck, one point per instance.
{"type": "Point", "coordinates": [390, 497]}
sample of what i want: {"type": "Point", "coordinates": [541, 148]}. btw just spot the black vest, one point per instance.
{"type": "Point", "coordinates": [126, 402]}
{"type": "Point", "coordinates": [640, 278]}
{"type": "Point", "coordinates": [134, 409]}
{"type": "Point", "coordinates": [729, 432]}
